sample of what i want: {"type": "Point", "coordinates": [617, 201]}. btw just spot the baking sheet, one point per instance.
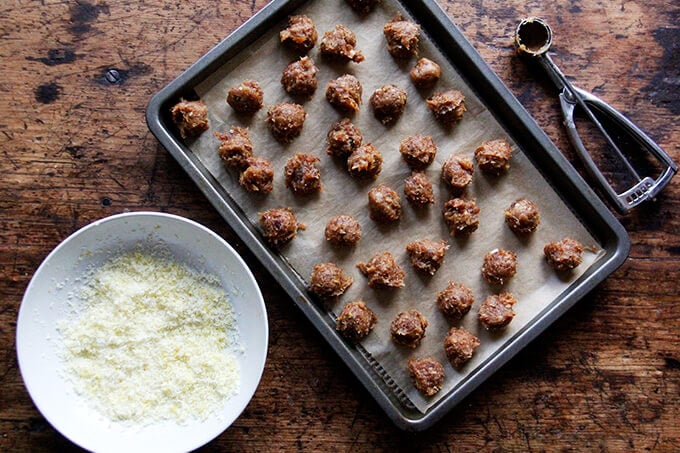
{"type": "Point", "coordinates": [535, 285]}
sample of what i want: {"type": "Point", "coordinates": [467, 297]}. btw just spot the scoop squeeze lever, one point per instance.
{"type": "Point", "coordinates": [533, 38]}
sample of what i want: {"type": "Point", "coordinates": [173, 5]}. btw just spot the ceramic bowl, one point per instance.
{"type": "Point", "coordinates": [51, 289]}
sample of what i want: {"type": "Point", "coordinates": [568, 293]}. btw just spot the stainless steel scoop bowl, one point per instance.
{"type": "Point", "coordinates": [533, 38]}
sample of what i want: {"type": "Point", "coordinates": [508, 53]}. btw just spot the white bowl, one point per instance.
{"type": "Point", "coordinates": [45, 303]}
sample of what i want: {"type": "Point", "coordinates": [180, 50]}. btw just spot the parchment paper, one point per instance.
{"type": "Point", "coordinates": [535, 285]}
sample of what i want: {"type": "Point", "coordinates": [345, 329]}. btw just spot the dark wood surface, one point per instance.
{"type": "Point", "coordinates": [75, 148]}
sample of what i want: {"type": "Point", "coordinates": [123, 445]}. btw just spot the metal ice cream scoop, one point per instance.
{"type": "Point", "coordinates": [533, 38]}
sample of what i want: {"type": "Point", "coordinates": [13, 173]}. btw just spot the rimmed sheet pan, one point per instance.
{"type": "Point", "coordinates": [538, 171]}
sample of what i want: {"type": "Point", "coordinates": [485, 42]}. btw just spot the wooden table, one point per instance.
{"type": "Point", "coordinates": [75, 80]}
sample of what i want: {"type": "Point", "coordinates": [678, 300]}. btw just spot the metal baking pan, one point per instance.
{"type": "Point", "coordinates": [507, 111]}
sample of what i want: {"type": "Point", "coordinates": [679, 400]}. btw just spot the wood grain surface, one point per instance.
{"type": "Point", "coordinates": [74, 82]}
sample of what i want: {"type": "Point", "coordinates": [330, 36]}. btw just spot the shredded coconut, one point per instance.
{"type": "Point", "coordinates": [152, 340]}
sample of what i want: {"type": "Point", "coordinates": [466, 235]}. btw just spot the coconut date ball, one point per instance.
{"type": "Point", "coordinates": [427, 255]}
{"type": "Point", "coordinates": [461, 216]}
{"type": "Point", "coordinates": [496, 312]}
{"type": "Point", "coordinates": [285, 121]}
{"type": "Point", "coordinates": [564, 255]}
{"type": "Point", "coordinates": [328, 281]}
{"type": "Point", "coordinates": [356, 321]}
{"type": "Point", "coordinates": [459, 346]}
{"type": "Point", "coordinates": [279, 226]}
{"type": "Point", "coordinates": [418, 189]}
{"type": "Point", "coordinates": [362, 6]}
{"type": "Point", "coordinates": [339, 44]}
{"type": "Point", "coordinates": [402, 37]}
{"type": "Point", "coordinates": [300, 35]}
{"type": "Point", "coordinates": [499, 266]}
{"type": "Point", "coordinates": [493, 157]}
{"type": "Point", "coordinates": [425, 73]}
{"type": "Point", "coordinates": [408, 328]}
{"type": "Point", "coordinates": [365, 162]}
{"type": "Point", "coordinates": [457, 173]}
{"type": "Point", "coordinates": [190, 117]}
{"type": "Point", "coordinates": [388, 103]}
{"type": "Point", "coordinates": [246, 98]}
{"type": "Point", "coordinates": [418, 151]}
{"type": "Point", "coordinates": [447, 107]}
{"type": "Point", "coordinates": [384, 204]}
{"type": "Point", "coordinates": [343, 230]}
{"type": "Point", "coordinates": [258, 177]}
{"type": "Point", "coordinates": [522, 216]}
{"type": "Point", "coordinates": [299, 77]}
{"type": "Point", "coordinates": [343, 138]}
{"type": "Point", "coordinates": [383, 271]}
{"type": "Point", "coordinates": [344, 93]}
{"type": "Point", "coordinates": [302, 176]}
{"type": "Point", "coordinates": [427, 375]}
{"type": "Point", "coordinates": [455, 300]}
{"type": "Point", "coordinates": [235, 148]}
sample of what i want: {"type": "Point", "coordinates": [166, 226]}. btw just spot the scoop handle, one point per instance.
{"type": "Point", "coordinates": [646, 188]}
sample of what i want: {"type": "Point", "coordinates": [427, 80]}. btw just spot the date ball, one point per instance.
{"type": "Point", "coordinates": [418, 151]}
{"type": "Point", "coordinates": [493, 157]}
{"type": "Point", "coordinates": [343, 230]}
{"type": "Point", "coordinates": [235, 148]}
{"type": "Point", "coordinates": [246, 98]}
{"type": "Point", "coordinates": [408, 328]}
{"type": "Point", "coordinates": [564, 255]}
{"type": "Point", "coordinates": [344, 93]}
{"type": "Point", "coordinates": [279, 226]}
{"type": "Point", "coordinates": [402, 37]}
{"type": "Point", "coordinates": [339, 44]}
{"type": "Point", "coordinates": [300, 35]}
{"type": "Point", "coordinates": [258, 177]}
{"type": "Point", "coordinates": [285, 121]}
{"type": "Point", "coordinates": [365, 162]}
{"type": "Point", "coordinates": [383, 271]}
{"type": "Point", "coordinates": [388, 103]}
{"type": "Point", "coordinates": [455, 300]}
{"type": "Point", "coordinates": [190, 117]}
{"type": "Point", "coordinates": [461, 216]}
{"type": "Point", "coordinates": [447, 107]}
{"type": "Point", "coordinates": [459, 346]}
{"type": "Point", "coordinates": [343, 138]}
{"type": "Point", "coordinates": [384, 204]}
{"type": "Point", "coordinates": [427, 375]}
{"type": "Point", "coordinates": [522, 216]}
{"type": "Point", "coordinates": [299, 77]}
{"type": "Point", "coordinates": [425, 73]}
{"type": "Point", "coordinates": [328, 281]}
{"type": "Point", "coordinates": [362, 6]}
{"type": "Point", "coordinates": [496, 312]}
{"type": "Point", "coordinates": [356, 321]}
{"type": "Point", "coordinates": [302, 176]}
{"type": "Point", "coordinates": [457, 173]}
{"type": "Point", "coordinates": [418, 189]}
{"type": "Point", "coordinates": [499, 266]}
{"type": "Point", "coordinates": [427, 255]}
